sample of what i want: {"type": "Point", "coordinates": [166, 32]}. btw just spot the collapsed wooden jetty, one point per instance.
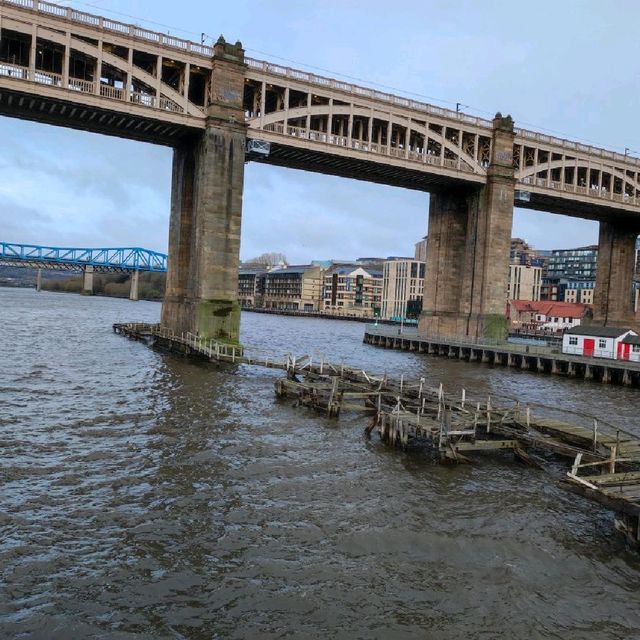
{"type": "Point", "coordinates": [602, 461]}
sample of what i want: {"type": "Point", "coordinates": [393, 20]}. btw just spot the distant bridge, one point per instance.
{"type": "Point", "coordinates": [106, 260]}
{"type": "Point", "coordinates": [101, 260]}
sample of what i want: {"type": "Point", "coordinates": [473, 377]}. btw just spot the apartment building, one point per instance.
{"type": "Point", "coordinates": [574, 264]}
{"type": "Point", "coordinates": [353, 290]}
{"type": "Point", "coordinates": [251, 287]}
{"type": "Point", "coordinates": [580, 291]}
{"type": "Point", "coordinates": [294, 288]}
{"type": "Point", "coordinates": [402, 288]}
{"type": "Point", "coordinates": [524, 282]}
{"type": "Point", "coordinates": [421, 250]}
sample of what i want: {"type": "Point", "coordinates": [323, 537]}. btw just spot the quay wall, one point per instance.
{"type": "Point", "coordinates": [527, 358]}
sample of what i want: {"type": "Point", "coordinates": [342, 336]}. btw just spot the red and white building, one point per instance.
{"type": "Point", "coordinates": [537, 315]}
{"type": "Point", "coordinates": [602, 342]}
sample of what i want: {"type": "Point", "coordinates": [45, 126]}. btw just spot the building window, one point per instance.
{"type": "Point", "coordinates": [602, 343]}
{"type": "Point", "coordinates": [636, 348]}
{"type": "Point", "coordinates": [573, 341]}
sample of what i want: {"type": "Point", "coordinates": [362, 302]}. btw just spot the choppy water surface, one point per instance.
{"type": "Point", "coordinates": [145, 496]}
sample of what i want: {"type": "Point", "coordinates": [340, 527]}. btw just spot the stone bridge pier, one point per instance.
{"type": "Point", "coordinates": [613, 303]}
{"type": "Point", "coordinates": [206, 209]}
{"type": "Point", "coordinates": [468, 249]}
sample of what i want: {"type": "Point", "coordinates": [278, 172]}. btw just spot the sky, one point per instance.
{"type": "Point", "coordinates": [567, 67]}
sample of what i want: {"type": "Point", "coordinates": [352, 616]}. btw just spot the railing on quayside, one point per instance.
{"type": "Point", "coordinates": [411, 333]}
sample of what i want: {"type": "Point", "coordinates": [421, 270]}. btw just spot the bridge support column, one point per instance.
{"type": "Point", "coordinates": [613, 303]}
{"type": "Point", "coordinates": [39, 280]}
{"type": "Point", "coordinates": [206, 209]}
{"type": "Point", "coordinates": [87, 281]}
{"type": "Point", "coordinates": [468, 250]}
{"type": "Point", "coordinates": [135, 280]}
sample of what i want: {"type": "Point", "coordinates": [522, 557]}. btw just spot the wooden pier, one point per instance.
{"type": "Point", "coordinates": [533, 358]}
{"type": "Point", "coordinates": [602, 462]}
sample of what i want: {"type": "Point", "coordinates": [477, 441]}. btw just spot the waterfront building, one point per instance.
{"type": "Point", "coordinates": [574, 264]}
{"type": "Point", "coordinates": [402, 288]}
{"type": "Point", "coordinates": [421, 250]}
{"type": "Point", "coordinates": [550, 289]}
{"type": "Point", "coordinates": [251, 286]}
{"type": "Point", "coordinates": [524, 282]}
{"type": "Point", "coordinates": [355, 291]}
{"type": "Point", "coordinates": [602, 342]}
{"type": "Point", "coordinates": [531, 315]}
{"type": "Point", "coordinates": [578, 291]}
{"type": "Point", "coordinates": [293, 288]}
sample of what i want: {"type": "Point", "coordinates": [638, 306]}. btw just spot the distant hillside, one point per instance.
{"type": "Point", "coordinates": [116, 285]}
{"type": "Point", "coordinates": [26, 277]}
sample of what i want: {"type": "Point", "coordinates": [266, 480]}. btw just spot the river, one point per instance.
{"type": "Point", "coordinates": [146, 496]}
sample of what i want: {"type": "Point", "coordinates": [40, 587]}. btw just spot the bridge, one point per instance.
{"type": "Point", "coordinates": [89, 261]}
{"type": "Point", "coordinates": [212, 105]}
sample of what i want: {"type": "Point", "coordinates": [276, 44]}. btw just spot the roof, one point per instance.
{"type": "Point", "coordinates": [631, 339]}
{"type": "Point", "coordinates": [550, 309]}
{"type": "Point", "coordinates": [251, 271]}
{"type": "Point", "coordinates": [294, 268]}
{"type": "Point", "coordinates": [363, 269]}
{"type": "Point", "coordinates": [598, 332]}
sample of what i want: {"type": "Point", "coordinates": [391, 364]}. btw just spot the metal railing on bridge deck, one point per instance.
{"type": "Point", "coordinates": [108, 259]}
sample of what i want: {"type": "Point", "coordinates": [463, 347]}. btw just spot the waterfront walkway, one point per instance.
{"type": "Point", "coordinates": [535, 358]}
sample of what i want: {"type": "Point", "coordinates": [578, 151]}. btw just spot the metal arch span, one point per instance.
{"type": "Point", "coordinates": [109, 77]}
{"type": "Point", "coordinates": [101, 259]}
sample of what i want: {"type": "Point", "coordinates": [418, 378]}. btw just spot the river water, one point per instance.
{"type": "Point", "coordinates": [146, 496]}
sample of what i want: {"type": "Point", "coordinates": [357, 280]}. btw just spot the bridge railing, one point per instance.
{"type": "Point", "coordinates": [364, 92]}
{"type": "Point", "coordinates": [459, 164]}
{"type": "Point", "coordinates": [575, 147]}
{"type": "Point", "coordinates": [600, 193]}
{"type": "Point", "coordinates": [121, 28]}
{"type": "Point", "coordinates": [17, 72]}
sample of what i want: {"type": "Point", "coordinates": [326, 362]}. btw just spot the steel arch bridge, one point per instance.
{"type": "Point", "coordinates": [105, 260]}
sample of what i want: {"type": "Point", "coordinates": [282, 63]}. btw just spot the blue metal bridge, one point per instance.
{"type": "Point", "coordinates": [122, 259]}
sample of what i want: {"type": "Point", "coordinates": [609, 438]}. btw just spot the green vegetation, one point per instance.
{"type": "Point", "coordinates": [116, 285]}
{"type": "Point", "coordinates": [495, 327]}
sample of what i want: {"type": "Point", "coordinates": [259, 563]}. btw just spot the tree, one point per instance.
{"type": "Point", "coordinates": [271, 259]}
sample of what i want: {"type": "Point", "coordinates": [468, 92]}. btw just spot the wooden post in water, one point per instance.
{"type": "Point", "coordinates": [488, 414]}
{"type": "Point", "coordinates": [476, 417]}
{"type": "Point", "coordinates": [595, 435]}
{"type": "Point", "coordinates": [612, 460]}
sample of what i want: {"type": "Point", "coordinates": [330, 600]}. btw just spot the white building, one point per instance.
{"type": "Point", "coordinates": [524, 282]}
{"type": "Point", "coordinates": [602, 342]}
{"type": "Point", "coordinates": [402, 288]}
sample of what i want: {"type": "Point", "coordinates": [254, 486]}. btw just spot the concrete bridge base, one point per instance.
{"type": "Point", "coordinates": [613, 304]}
{"type": "Point", "coordinates": [135, 281]}
{"type": "Point", "coordinates": [206, 210]}
{"type": "Point", "coordinates": [87, 281]}
{"type": "Point", "coordinates": [468, 250]}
